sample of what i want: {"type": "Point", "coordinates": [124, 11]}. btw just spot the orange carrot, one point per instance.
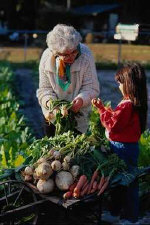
{"type": "Point", "coordinates": [81, 182]}
{"type": "Point", "coordinates": [84, 185]}
{"type": "Point", "coordinates": [67, 195]}
{"type": "Point", "coordinates": [103, 188]}
{"type": "Point", "coordinates": [94, 176]}
{"type": "Point", "coordinates": [94, 184]}
{"type": "Point", "coordinates": [102, 180]}
{"type": "Point", "coordinates": [84, 191]}
{"type": "Point", "coordinates": [76, 195]}
{"type": "Point", "coordinates": [72, 186]}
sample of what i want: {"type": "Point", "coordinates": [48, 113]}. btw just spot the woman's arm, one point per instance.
{"type": "Point", "coordinates": [90, 83]}
{"type": "Point", "coordinates": [45, 90]}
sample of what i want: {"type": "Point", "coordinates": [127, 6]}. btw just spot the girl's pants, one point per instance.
{"type": "Point", "coordinates": [122, 197]}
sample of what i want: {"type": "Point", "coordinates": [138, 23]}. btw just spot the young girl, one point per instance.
{"type": "Point", "coordinates": [124, 126]}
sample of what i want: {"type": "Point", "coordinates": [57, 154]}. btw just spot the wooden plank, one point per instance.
{"type": "Point", "coordinates": [21, 211]}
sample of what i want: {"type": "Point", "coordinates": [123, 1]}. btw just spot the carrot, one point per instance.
{"type": "Point", "coordinates": [76, 195]}
{"type": "Point", "coordinates": [94, 176]}
{"type": "Point", "coordinates": [72, 186]}
{"type": "Point", "coordinates": [84, 185]}
{"type": "Point", "coordinates": [94, 184]}
{"type": "Point", "coordinates": [81, 182]}
{"type": "Point", "coordinates": [67, 195]}
{"type": "Point", "coordinates": [103, 188]}
{"type": "Point", "coordinates": [102, 180]}
{"type": "Point", "coordinates": [84, 191]}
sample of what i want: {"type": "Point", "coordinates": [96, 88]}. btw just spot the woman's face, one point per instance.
{"type": "Point", "coordinates": [68, 56]}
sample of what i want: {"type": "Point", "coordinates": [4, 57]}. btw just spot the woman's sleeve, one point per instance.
{"type": "Point", "coordinates": [45, 90]}
{"type": "Point", "coordinates": [90, 83]}
{"type": "Point", "coordinates": [118, 119]}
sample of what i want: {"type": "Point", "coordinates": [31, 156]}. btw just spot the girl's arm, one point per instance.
{"type": "Point", "coordinates": [116, 120]}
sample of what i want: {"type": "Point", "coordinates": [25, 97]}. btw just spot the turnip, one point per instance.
{"type": "Point", "coordinates": [57, 155]}
{"type": "Point", "coordinates": [44, 171]}
{"type": "Point", "coordinates": [67, 159]}
{"type": "Point", "coordinates": [41, 160]}
{"type": "Point", "coordinates": [28, 170]}
{"type": "Point", "coordinates": [28, 178]}
{"type": "Point", "coordinates": [45, 186]}
{"type": "Point", "coordinates": [75, 170]}
{"type": "Point", "coordinates": [63, 180]}
{"type": "Point", "coordinates": [65, 166]}
{"type": "Point", "coordinates": [56, 165]}
{"type": "Point", "coordinates": [64, 111]}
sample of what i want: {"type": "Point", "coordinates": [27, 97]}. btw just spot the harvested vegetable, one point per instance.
{"type": "Point", "coordinates": [65, 166]}
{"type": "Point", "coordinates": [56, 155]}
{"type": "Point", "coordinates": [63, 180]}
{"type": "Point", "coordinates": [44, 171]}
{"type": "Point", "coordinates": [28, 178]}
{"type": "Point", "coordinates": [80, 184]}
{"type": "Point", "coordinates": [75, 170]}
{"type": "Point", "coordinates": [67, 195]}
{"type": "Point", "coordinates": [28, 170]}
{"type": "Point", "coordinates": [56, 165]}
{"type": "Point", "coordinates": [45, 186]}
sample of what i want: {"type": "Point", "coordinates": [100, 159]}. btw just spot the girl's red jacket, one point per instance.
{"type": "Point", "coordinates": [122, 124]}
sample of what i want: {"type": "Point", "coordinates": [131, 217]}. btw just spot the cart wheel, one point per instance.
{"type": "Point", "coordinates": [17, 203]}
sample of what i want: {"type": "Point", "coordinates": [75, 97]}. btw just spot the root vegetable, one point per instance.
{"type": "Point", "coordinates": [105, 185]}
{"type": "Point", "coordinates": [85, 190]}
{"type": "Point", "coordinates": [41, 160]}
{"type": "Point", "coordinates": [72, 186]}
{"type": "Point", "coordinates": [56, 165]}
{"type": "Point", "coordinates": [80, 184]}
{"type": "Point", "coordinates": [28, 171]}
{"type": "Point", "coordinates": [28, 178]}
{"type": "Point", "coordinates": [67, 159]}
{"type": "Point", "coordinates": [44, 171]}
{"type": "Point", "coordinates": [65, 166]}
{"type": "Point", "coordinates": [67, 195]}
{"type": "Point", "coordinates": [102, 180]}
{"type": "Point", "coordinates": [94, 177]}
{"type": "Point", "coordinates": [57, 155]}
{"type": "Point", "coordinates": [63, 180]}
{"type": "Point", "coordinates": [45, 186]}
{"type": "Point", "coordinates": [75, 170]}
{"type": "Point", "coordinates": [64, 111]}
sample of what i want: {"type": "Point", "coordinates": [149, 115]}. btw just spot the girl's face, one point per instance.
{"type": "Point", "coordinates": [121, 88]}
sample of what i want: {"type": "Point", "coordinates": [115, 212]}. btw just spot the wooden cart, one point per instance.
{"type": "Point", "coordinates": [21, 203]}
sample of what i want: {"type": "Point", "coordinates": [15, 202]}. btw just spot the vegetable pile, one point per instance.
{"type": "Point", "coordinates": [71, 165]}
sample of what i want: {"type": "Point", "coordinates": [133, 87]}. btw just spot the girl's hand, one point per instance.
{"type": "Point", "coordinates": [97, 102]}
{"type": "Point", "coordinates": [77, 104]}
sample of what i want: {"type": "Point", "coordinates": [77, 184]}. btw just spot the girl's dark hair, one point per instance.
{"type": "Point", "coordinates": [133, 78]}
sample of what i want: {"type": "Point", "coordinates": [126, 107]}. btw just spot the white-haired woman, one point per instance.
{"type": "Point", "coordinates": [67, 71]}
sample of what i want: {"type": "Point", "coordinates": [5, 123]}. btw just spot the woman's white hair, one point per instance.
{"type": "Point", "coordinates": [63, 38]}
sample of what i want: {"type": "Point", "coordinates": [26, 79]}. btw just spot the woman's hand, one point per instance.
{"type": "Point", "coordinates": [77, 104]}
{"type": "Point", "coordinates": [97, 102]}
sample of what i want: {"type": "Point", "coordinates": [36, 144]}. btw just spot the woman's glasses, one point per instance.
{"type": "Point", "coordinates": [68, 55]}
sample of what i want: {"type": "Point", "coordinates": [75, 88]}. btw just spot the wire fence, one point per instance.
{"type": "Point", "coordinates": [25, 45]}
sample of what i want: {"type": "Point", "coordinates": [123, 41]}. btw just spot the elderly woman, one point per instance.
{"type": "Point", "coordinates": [67, 72]}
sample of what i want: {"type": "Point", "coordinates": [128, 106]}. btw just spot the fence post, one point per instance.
{"type": "Point", "coordinates": [119, 52]}
{"type": "Point", "coordinates": [25, 46]}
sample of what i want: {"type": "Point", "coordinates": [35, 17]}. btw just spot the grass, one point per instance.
{"type": "Point", "coordinates": [106, 55]}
